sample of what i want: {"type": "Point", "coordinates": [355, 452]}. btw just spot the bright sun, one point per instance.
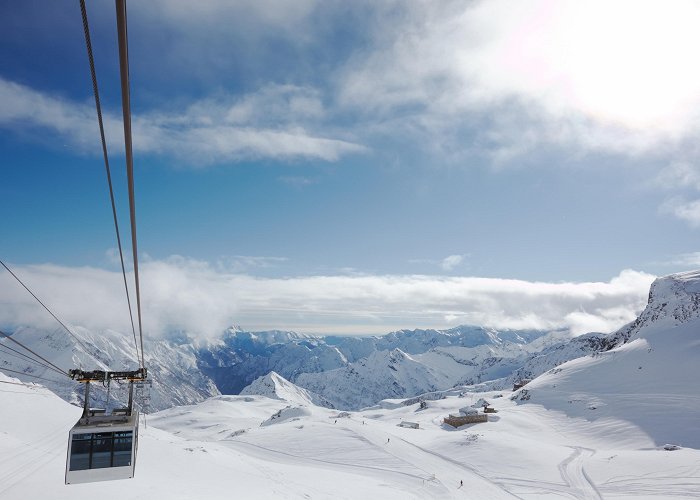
{"type": "Point", "coordinates": [626, 62]}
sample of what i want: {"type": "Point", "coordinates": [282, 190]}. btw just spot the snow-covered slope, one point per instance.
{"type": "Point", "coordinates": [650, 380]}
{"type": "Point", "coordinates": [396, 374]}
{"type": "Point", "coordinates": [274, 386]}
{"type": "Point", "coordinates": [325, 365]}
{"type": "Point", "coordinates": [383, 374]}
{"type": "Point", "coordinates": [240, 357]}
{"type": "Point", "coordinates": [230, 446]}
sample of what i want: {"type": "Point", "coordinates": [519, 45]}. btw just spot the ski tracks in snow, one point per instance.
{"type": "Point", "coordinates": [577, 484]}
{"type": "Point", "coordinates": [574, 475]}
{"type": "Point", "coordinates": [486, 486]}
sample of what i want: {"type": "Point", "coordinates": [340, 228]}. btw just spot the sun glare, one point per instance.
{"type": "Point", "coordinates": [634, 62]}
{"type": "Point", "coordinates": [626, 62]}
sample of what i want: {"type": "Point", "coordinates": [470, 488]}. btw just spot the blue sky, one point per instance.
{"type": "Point", "coordinates": [547, 143]}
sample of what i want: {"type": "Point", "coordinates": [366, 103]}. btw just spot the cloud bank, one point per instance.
{"type": "Point", "coordinates": [458, 78]}
{"type": "Point", "coordinates": [554, 73]}
{"type": "Point", "coordinates": [276, 122]}
{"type": "Point", "coordinates": [184, 294]}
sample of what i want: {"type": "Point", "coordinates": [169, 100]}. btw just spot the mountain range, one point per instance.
{"type": "Point", "coordinates": [347, 373]}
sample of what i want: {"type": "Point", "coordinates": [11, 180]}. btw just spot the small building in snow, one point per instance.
{"type": "Point", "coordinates": [459, 419]}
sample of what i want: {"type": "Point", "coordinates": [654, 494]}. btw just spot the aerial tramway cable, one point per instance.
{"type": "Point", "coordinates": [17, 354]}
{"type": "Point", "coordinates": [16, 383]}
{"type": "Point", "coordinates": [54, 367]}
{"type": "Point", "coordinates": [126, 111]}
{"type": "Point", "coordinates": [119, 429]}
{"type": "Point", "coordinates": [29, 375]}
{"type": "Point", "coordinates": [47, 309]}
{"type": "Point", "coordinates": [95, 90]}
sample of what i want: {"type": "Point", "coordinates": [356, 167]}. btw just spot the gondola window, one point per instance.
{"type": "Point", "coordinates": [100, 450]}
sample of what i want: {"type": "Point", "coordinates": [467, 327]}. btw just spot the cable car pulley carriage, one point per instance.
{"type": "Point", "coordinates": [101, 446]}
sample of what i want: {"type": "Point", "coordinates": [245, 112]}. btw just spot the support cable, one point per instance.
{"type": "Point", "coordinates": [4, 348]}
{"type": "Point", "coordinates": [49, 311]}
{"type": "Point", "coordinates": [95, 91]}
{"type": "Point", "coordinates": [17, 383]}
{"type": "Point", "coordinates": [29, 375]}
{"type": "Point", "coordinates": [63, 372]}
{"type": "Point", "coordinates": [126, 111]}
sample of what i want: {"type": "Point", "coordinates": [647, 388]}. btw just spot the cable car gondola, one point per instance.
{"type": "Point", "coordinates": [102, 447]}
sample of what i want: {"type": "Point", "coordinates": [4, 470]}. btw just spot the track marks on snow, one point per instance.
{"type": "Point", "coordinates": [574, 475]}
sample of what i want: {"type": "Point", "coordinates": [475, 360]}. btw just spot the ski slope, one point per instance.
{"type": "Point", "coordinates": [219, 449]}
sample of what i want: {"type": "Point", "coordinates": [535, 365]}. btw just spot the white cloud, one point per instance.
{"type": "Point", "coordinates": [679, 174]}
{"type": "Point", "coordinates": [688, 260]}
{"type": "Point", "coordinates": [466, 77]}
{"type": "Point", "coordinates": [451, 261]}
{"type": "Point", "coordinates": [688, 211]}
{"type": "Point", "coordinates": [543, 72]}
{"type": "Point", "coordinates": [242, 263]}
{"type": "Point", "coordinates": [181, 293]}
{"type": "Point", "coordinates": [276, 122]}
{"type": "Point", "coordinates": [23, 106]}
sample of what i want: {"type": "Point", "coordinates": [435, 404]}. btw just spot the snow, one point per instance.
{"type": "Point", "coordinates": [651, 381]}
{"type": "Point", "coordinates": [348, 373]}
{"type": "Point", "coordinates": [621, 423]}
{"type": "Point", "coordinates": [221, 447]}
{"type": "Point", "coordinates": [275, 386]}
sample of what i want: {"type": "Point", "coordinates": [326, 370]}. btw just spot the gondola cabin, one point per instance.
{"type": "Point", "coordinates": [102, 447]}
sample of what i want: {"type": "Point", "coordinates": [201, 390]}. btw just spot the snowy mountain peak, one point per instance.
{"type": "Point", "coordinates": [678, 287]}
{"type": "Point", "coordinates": [397, 355]}
{"type": "Point", "coordinates": [274, 386]}
{"type": "Point", "coordinates": [673, 300]}
{"type": "Point", "coordinates": [267, 337]}
{"type": "Point", "coordinates": [651, 366]}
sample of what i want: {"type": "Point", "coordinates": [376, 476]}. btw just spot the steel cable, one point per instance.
{"type": "Point", "coordinates": [126, 111]}
{"type": "Point", "coordinates": [29, 375]}
{"type": "Point", "coordinates": [28, 358]}
{"type": "Point", "coordinates": [49, 311]}
{"type": "Point", "coordinates": [98, 106]}
{"type": "Point", "coordinates": [34, 353]}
